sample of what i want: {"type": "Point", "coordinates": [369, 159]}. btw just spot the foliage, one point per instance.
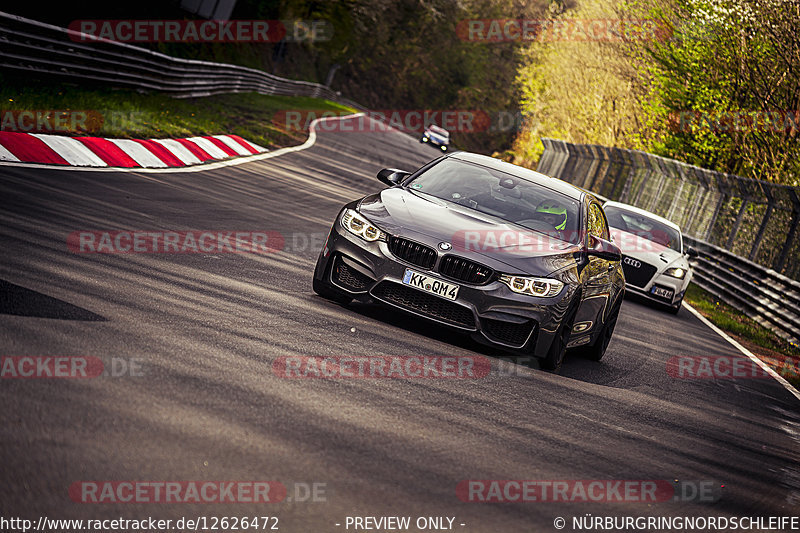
{"type": "Point", "coordinates": [698, 92]}
{"type": "Point", "coordinates": [128, 114]}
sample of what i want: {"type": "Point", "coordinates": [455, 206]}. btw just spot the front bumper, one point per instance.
{"type": "Point", "coordinates": [436, 141]}
{"type": "Point", "coordinates": [491, 314]}
{"type": "Point", "coordinates": [660, 288]}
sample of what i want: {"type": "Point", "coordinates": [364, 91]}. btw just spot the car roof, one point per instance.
{"type": "Point", "coordinates": [639, 211]}
{"type": "Point", "coordinates": [515, 170]}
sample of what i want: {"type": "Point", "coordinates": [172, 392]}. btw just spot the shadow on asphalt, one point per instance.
{"type": "Point", "coordinates": [19, 301]}
{"type": "Point", "coordinates": [575, 366]}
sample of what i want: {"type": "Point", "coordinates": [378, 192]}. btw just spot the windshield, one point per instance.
{"type": "Point", "coordinates": [511, 198]}
{"type": "Point", "coordinates": [644, 227]}
{"type": "Point", "coordinates": [439, 131]}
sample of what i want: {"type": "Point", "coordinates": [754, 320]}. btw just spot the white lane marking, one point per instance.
{"type": "Point", "coordinates": [72, 150]}
{"type": "Point", "coordinates": [233, 145]}
{"type": "Point", "coordinates": [178, 150]}
{"type": "Point", "coordinates": [312, 139]}
{"type": "Point", "coordinates": [5, 155]}
{"type": "Point", "coordinates": [212, 149]}
{"type": "Point", "coordinates": [745, 351]}
{"type": "Point", "coordinates": [140, 154]}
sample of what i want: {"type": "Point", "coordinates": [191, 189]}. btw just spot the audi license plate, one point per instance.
{"type": "Point", "coordinates": [663, 293]}
{"type": "Point", "coordinates": [431, 285]}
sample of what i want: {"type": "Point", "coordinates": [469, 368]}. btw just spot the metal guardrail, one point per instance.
{"type": "Point", "coordinates": [725, 217]}
{"type": "Point", "coordinates": [42, 49]}
{"type": "Point", "coordinates": [769, 298]}
{"type": "Point", "coordinates": [751, 218]}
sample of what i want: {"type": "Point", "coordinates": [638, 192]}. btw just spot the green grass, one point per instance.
{"type": "Point", "coordinates": [129, 114]}
{"type": "Point", "coordinates": [771, 348]}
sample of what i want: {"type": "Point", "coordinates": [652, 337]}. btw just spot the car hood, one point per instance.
{"type": "Point", "coordinates": [638, 247]}
{"type": "Point", "coordinates": [500, 245]}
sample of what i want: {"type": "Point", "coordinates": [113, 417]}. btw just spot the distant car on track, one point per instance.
{"type": "Point", "coordinates": [655, 258]}
{"type": "Point", "coordinates": [520, 261]}
{"type": "Point", "coordinates": [436, 136]}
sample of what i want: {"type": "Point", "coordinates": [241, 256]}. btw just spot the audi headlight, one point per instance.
{"type": "Point", "coordinates": [679, 273]}
{"type": "Point", "coordinates": [361, 227]}
{"type": "Point", "coordinates": [541, 287]}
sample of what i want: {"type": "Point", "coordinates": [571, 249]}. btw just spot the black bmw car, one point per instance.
{"type": "Point", "coordinates": [518, 260]}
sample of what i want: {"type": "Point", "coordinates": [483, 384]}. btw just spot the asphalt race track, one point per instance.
{"type": "Point", "coordinates": [203, 331]}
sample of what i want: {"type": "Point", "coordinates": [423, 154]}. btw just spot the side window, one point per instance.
{"type": "Point", "coordinates": [597, 222]}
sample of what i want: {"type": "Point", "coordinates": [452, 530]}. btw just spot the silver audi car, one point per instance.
{"type": "Point", "coordinates": [654, 257]}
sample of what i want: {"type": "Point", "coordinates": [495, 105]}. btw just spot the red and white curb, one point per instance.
{"type": "Point", "coordinates": [9, 159]}
{"type": "Point", "coordinates": [121, 153]}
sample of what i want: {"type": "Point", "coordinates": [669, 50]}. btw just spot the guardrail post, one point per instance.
{"type": "Point", "coordinates": [637, 167]}
{"type": "Point", "coordinates": [763, 226]}
{"type": "Point", "coordinates": [677, 198]}
{"type": "Point", "coordinates": [562, 154]}
{"type": "Point", "coordinates": [594, 168]}
{"type": "Point", "coordinates": [789, 240]}
{"type": "Point", "coordinates": [602, 170]}
{"type": "Point", "coordinates": [689, 223]}
{"type": "Point", "coordinates": [735, 229]}
{"type": "Point", "coordinates": [723, 197]}
{"type": "Point", "coordinates": [547, 156]}
{"type": "Point", "coordinates": [568, 170]}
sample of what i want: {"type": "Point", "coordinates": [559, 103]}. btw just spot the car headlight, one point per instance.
{"type": "Point", "coordinates": [361, 227]}
{"type": "Point", "coordinates": [541, 287]}
{"type": "Point", "coordinates": [676, 272]}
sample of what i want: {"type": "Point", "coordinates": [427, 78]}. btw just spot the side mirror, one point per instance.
{"type": "Point", "coordinates": [392, 176]}
{"type": "Point", "coordinates": [603, 249]}
{"type": "Point", "coordinates": [691, 252]}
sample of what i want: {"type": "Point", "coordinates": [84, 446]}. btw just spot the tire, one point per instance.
{"type": "Point", "coordinates": [596, 351]}
{"type": "Point", "coordinates": [558, 349]}
{"type": "Point", "coordinates": [329, 293]}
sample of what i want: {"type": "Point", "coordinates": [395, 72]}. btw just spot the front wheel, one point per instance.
{"type": "Point", "coordinates": [676, 308]}
{"type": "Point", "coordinates": [558, 349]}
{"type": "Point", "coordinates": [596, 351]}
{"type": "Point", "coordinates": [327, 292]}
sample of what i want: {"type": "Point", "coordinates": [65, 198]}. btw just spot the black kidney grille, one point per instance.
{"type": "Point", "coordinates": [461, 269]}
{"type": "Point", "coordinates": [637, 274]}
{"type": "Point", "coordinates": [349, 278]}
{"type": "Point", "coordinates": [507, 332]}
{"type": "Point", "coordinates": [425, 304]}
{"type": "Point", "coordinates": [413, 252]}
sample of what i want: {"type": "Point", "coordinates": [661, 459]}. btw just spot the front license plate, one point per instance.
{"type": "Point", "coordinates": [663, 293]}
{"type": "Point", "coordinates": [431, 285]}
